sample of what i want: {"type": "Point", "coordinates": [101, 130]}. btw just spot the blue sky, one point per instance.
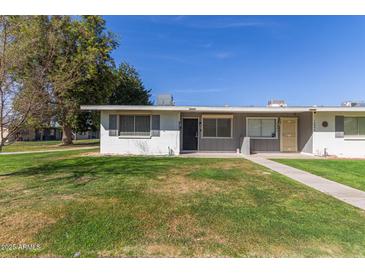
{"type": "Point", "coordinates": [246, 60]}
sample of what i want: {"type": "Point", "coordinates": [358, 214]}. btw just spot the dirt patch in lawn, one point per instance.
{"type": "Point", "coordinates": [186, 230]}
{"type": "Point", "coordinates": [92, 154]}
{"type": "Point", "coordinates": [179, 184]}
{"type": "Point", "coordinates": [162, 250]}
{"type": "Point", "coordinates": [183, 226]}
{"type": "Point", "coordinates": [20, 227]}
{"type": "Point", "coordinates": [204, 179]}
{"type": "Point", "coordinates": [152, 250]}
{"type": "Point", "coordinates": [309, 248]}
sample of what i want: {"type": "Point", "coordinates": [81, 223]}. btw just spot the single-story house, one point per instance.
{"type": "Point", "coordinates": [90, 134]}
{"type": "Point", "coordinates": [42, 134]}
{"type": "Point", "coordinates": [171, 130]}
{"type": "Point", "coordinates": [52, 132]}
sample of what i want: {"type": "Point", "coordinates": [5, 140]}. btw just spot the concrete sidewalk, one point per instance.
{"type": "Point", "coordinates": [44, 151]}
{"type": "Point", "coordinates": [342, 192]}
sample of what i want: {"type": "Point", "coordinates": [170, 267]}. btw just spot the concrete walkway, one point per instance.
{"type": "Point", "coordinates": [43, 151]}
{"type": "Point", "coordinates": [342, 192]}
{"type": "Point", "coordinates": [210, 155]}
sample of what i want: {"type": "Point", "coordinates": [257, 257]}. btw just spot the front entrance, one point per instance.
{"type": "Point", "coordinates": [288, 134]}
{"type": "Point", "coordinates": [190, 133]}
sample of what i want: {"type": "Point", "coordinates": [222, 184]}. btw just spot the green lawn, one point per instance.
{"type": "Point", "coordinates": [348, 172]}
{"type": "Point", "coordinates": [77, 201]}
{"type": "Point", "coordinates": [48, 145]}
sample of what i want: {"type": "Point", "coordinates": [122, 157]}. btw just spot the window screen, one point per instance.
{"type": "Point", "coordinates": [209, 128]}
{"type": "Point", "coordinates": [362, 126]}
{"type": "Point", "coordinates": [224, 127]}
{"type": "Point", "coordinates": [126, 125]}
{"type": "Point", "coordinates": [134, 125]}
{"type": "Point", "coordinates": [268, 127]}
{"type": "Point", "coordinates": [354, 126]}
{"type": "Point", "coordinates": [254, 128]}
{"type": "Point", "coordinates": [261, 128]}
{"type": "Point", "coordinates": [142, 125]}
{"type": "Point", "coordinates": [217, 127]}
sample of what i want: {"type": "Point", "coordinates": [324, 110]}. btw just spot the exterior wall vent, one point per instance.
{"type": "Point", "coordinates": [276, 103]}
{"type": "Point", "coordinates": [165, 100]}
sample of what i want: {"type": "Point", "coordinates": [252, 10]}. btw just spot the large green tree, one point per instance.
{"type": "Point", "coordinates": [32, 74]}
{"type": "Point", "coordinates": [130, 89]}
{"type": "Point", "coordinates": [50, 65]}
{"type": "Point", "coordinates": [82, 71]}
{"type": "Point", "coordinates": [22, 87]}
{"type": "Point", "coordinates": [103, 77]}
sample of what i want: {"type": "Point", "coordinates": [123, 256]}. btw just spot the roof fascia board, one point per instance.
{"type": "Point", "coordinates": [222, 109]}
{"type": "Point", "coordinates": [195, 109]}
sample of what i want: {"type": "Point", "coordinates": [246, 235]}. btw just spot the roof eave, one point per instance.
{"type": "Point", "coordinates": [221, 109]}
{"type": "Point", "coordinates": [193, 108]}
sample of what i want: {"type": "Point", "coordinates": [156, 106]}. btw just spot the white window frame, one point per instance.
{"type": "Point", "coordinates": [351, 137]}
{"type": "Point", "coordinates": [216, 117]}
{"type": "Point", "coordinates": [261, 118]}
{"type": "Point", "coordinates": [134, 136]}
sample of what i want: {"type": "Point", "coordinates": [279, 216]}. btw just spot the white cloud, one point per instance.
{"type": "Point", "coordinates": [207, 45]}
{"type": "Point", "coordinates": [223, 55]}
{"type": "Point", "coordinates": [226, 25]}
{"type": "Point", "coordinates": [207, 90]}
{"type": "Point", "coordinates": [211, 22]}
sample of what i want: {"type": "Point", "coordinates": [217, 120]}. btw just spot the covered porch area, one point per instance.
{"type": "Point", "coordinates": [266, 155]}
{"type": "Point", "coordinates": [246, 133]}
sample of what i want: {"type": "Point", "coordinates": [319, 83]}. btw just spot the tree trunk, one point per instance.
{"type": "Point", "coordinates": [66, 135]}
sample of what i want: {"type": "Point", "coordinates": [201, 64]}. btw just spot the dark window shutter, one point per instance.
{"type": "Point", "coordinates": [339, 127]}
{"type": "Point", "coordinates": [113, 131]}
{"type": "Point", "coordinates": [155, 125]}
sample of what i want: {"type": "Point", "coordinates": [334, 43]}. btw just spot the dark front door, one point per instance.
{"type": "Point", "coordinates": [190, 134]}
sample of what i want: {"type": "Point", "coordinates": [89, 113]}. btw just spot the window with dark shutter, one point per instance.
{"type": "Point", "coordinates": [113, 130]}
{"type": "Point", "coordinates": [134, 125]}
{"type": "Point", "coordinates": [339, 127]}
{"type": "Point", "coordinates": [155, 125]}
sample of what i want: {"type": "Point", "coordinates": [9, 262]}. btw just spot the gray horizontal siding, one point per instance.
{"type": "Point", "coordinates": [265, 145]}
{"type": "Point", "coordinates": [226, 144]}
{"type": "Point", "coordinates": [305, 132]}
{"type": "Point", "coordinates": [259, 145]}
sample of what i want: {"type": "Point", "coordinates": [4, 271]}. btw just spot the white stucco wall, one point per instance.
{"type": "Point", "coordinates": [167, 143]}
{"type": "Point", "coordinates": [324, 138]}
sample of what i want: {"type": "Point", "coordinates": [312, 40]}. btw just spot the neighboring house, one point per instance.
{"type": "Point", "coordinates": [52, 132]}
{"type": "Point", "coordinates": [86, 135]}
{"type": "Point", "coordinates": [171, 130]}
{"type": "Point", "coordinates": [43, 134]}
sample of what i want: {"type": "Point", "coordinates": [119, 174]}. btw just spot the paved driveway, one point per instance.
{"type": "Point", "coordinates": [44, 151]}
